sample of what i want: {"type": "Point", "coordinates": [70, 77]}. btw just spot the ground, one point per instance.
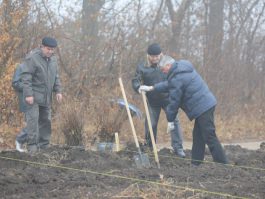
{"type": "Point", "coordinates": [75, 172]}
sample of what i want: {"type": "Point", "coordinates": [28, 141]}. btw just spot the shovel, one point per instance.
{"type": "Point", "coordinates": [141, 160]}
{"type": "Point", "coordinates": [150, 129]}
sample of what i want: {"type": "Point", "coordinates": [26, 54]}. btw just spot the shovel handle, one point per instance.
{"type": "Point", "coordinates": [129, 113]}
{"type": "Point", "coordinates": [150, 129]}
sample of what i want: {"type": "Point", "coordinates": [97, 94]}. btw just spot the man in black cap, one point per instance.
{"type": "Point", "coordinates": [145, 77]}
{"type": "Point", "coordinates": [40, 78]}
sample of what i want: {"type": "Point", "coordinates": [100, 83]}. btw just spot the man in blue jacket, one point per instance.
{"type": "Point", "coordinates": [188, 91]}
{"type": "Point", "coordinates": [150, 75]}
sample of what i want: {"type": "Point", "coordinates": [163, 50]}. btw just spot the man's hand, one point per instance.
{"type": "Point", "coordinates": [29, 100]}
{"type": "Point", "coordinates": [59, 97]}
{"type": "Point", "coordinates": [170, 127]}
{"type": "Point", "coordinates": [145, 88]}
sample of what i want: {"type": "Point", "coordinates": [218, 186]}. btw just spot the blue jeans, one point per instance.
{"type": "Point", "coordinates": [176, 135]}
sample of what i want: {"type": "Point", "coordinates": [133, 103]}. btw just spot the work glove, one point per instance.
{"type": "Point", "coordinates": [145, 88]}
{"type": "Point", "coordinates": [170, 127]}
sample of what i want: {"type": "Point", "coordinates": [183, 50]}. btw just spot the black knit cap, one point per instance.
{"type": "Point", "coordinates": [49, 41]}
{"type": "Point", "coordinates": [154, 49]}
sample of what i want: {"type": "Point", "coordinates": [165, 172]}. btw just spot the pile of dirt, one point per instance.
{"type": "Point", "coordinates": [66, 172]}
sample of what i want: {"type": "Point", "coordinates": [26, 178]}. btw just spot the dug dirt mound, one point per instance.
{"type": "Point", "coordinates": [65, 172]}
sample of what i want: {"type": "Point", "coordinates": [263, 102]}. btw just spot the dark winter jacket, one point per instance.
{"type": "Point", "coordinates": [187, 90]}
{"type": "Point", "coordinates": [40, 77]}
{"type": "Point", "coordinates": [149, 76]}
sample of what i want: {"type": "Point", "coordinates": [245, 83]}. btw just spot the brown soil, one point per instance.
{"type": "Point", "coordinates": [66, 172]}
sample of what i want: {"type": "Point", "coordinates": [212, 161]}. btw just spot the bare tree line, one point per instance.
{"type": "Point", "coordinates": [224, 39]}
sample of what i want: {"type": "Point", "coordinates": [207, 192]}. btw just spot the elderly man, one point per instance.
{"type": "Point", "coordinates": [188, 91]}
{"type": "Point", "coordinates": [150, 75]}
{"type": "Point", "coordinates": [39, 74]}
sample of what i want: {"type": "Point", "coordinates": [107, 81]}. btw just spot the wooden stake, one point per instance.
{"type": "Point", "coordinates": [117, 142]}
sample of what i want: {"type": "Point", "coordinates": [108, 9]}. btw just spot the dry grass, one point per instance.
{"type": "Point", "coordinates": [145, 191]}
{"type": "Point", "coordinates": [245, 125]}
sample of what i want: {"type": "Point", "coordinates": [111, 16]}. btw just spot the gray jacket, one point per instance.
{"type": "Point", "coordinates": [187, 90]}
{"type": "Point", "coordinates": [40, 77]}
{"type": "Point", "coordinates": [18, 87]}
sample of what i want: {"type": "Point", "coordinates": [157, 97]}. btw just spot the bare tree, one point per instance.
{"type": "Point", "coordinates": [214, 39]}
{"type": "Point", "coordinates": [223, 38]}
{"type": "Point", "coordinates": [12, 15]}
{"type": "Point", "coordinates": [90, 23]}
{"type": "Point", "coordinates": [177, 18]}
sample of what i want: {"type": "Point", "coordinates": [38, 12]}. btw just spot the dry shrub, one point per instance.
{"type": "Point", "coordinates": [9, 112]}
{"type": "Point", "coordinates": [245, 124]}
{"type": "Point", "coordinates": [101, 116]}
{"type": "Point", "coordinates": [104, 114]}
{"type": "Point", "coordinates": [71, 122]}
{"type": "Point", "coordinates": [108, 119]}
{"type": "Point", "coordinates": [11, 120]}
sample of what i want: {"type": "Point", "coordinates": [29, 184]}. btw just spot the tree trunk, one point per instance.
{"type": "Point", "coordinates": [89, 39]}
{"type": "Point", "coordinates": [177, 18]}
{"type": "Point", "coordinates": [90, 13]}
{"type": "Point", "coordinates": [214, 39]}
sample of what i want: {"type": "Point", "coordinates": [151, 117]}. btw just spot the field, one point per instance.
{"type": "Point", "coordinates": [74, 172]}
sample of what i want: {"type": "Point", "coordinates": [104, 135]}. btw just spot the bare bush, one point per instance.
{"type": "Point", "coordinates": [72, 122]}
{"type": "Point", "coordinates": [109, 119]}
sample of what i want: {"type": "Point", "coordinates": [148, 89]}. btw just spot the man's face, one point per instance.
{"type": "Point", "coordinates": [154, 59]}
{"type": "Point", "coordinates": [47, 51]}
{"type": "Point", "coordinates": [166, 68]}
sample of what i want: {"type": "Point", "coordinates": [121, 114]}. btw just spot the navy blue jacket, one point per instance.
{"type": "Point", "coordinates": [187, 90]}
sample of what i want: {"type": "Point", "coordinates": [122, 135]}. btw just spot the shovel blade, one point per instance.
{"type": "Point", "coordinates": [142, 161]}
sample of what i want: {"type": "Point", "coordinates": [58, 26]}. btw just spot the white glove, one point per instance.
{"type": "Point", "coordinates": [145, 88]}
{"type": "Point", "coordinates": [170, 127]}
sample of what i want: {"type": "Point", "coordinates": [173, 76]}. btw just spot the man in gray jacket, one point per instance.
{"type": "Point", "coordinates": [150, 75]}
{"type": "Point", "coordinates": [188, 91]}
{"type": "Point", "coordinates": [39, 79]}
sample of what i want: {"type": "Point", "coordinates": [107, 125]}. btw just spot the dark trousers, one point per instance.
{"type": "Point", "coordinates": [204, 133]}
{"type": "Point", "coordinates": [176, 135]}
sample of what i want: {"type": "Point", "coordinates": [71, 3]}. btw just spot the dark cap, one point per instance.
{"type": "Point", "coordinates": [154, 49]}
{"type": "Point", "coordinates": [49, 41]}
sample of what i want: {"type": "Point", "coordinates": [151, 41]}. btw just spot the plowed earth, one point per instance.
{"type": "Point", "coordinates": [67, 172]}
